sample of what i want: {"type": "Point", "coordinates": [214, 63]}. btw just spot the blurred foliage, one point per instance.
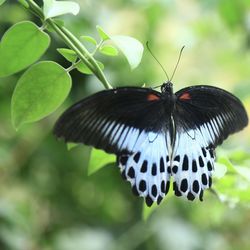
{"type": "Point", "coordinates": [47, 199]}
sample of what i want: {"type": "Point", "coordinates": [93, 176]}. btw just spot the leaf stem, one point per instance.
{"type": "Point", "coordinates": [99, 73]}
{"type": "Point", "coordinates": [72, 42]}
{"type": "Point", "coordinates": [97, 47]}
{"type": "Point", "coordinates": [73, 66]}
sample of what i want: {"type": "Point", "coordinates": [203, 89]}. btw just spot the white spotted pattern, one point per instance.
{"type": "Point", "coordinates": [147, 168]}
{"type": "Point", "coordinates": [193, 161]}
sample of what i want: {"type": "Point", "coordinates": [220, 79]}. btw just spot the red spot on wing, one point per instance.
{"type": "Point", "coordinates": [152, 97]}
{"type": "Point", "coordinates": [185, 96]}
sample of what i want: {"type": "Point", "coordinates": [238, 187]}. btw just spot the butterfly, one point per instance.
{"type": "Point", "coordinates": [157, 136]}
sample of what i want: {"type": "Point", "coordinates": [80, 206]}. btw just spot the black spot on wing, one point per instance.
{"type": "Point", "coordinates": [209, 166]}
{"type": "Point", "coordinates": [201, 195]}
{"type": "Point", "coordinates": [131, 172]}
{"type": "Point", "coordinates": [204, 152]}
{"type": "Point", "coordinates": [169, 170]}
{"type": "Point", "coordinates": [190, 196]}
{"type": "Point", "coordinates": [201, 162]}
{"type": "Point", "coordinates": [144, 166]}
{"type": "Point", "coordinates": [162, 165]}
{"type": "Point", "coordinates": [137, 157]}
{"type": "Point", "coordinates": [177, 158]}
{"type": "Point", "coordinates": [185, 163]}
{"type": "Point", "coordinates": [154, 190]}
{"type": "Point", "coordinates": [163, 186]}
{"type": "Point", "coordinates": [196, 186]}
{"type": "Point", "coordinates": [176, 189]}
{"type": "Point", "coordinates": [184, 185]}
{"type": "Point", "coordinates": [123, 159]}
{"type": "Point", "coordinates": [194, 166]}
{"type": "Point", "coordinates": [154, 169]}
{"type": "Point", "coordinates": [149, 201]}
{"type": "Point", "coordinates": [142, 186]}
{"type": "Point", "coordinates": [204, 179]}
{"type": "Point", "coordinates": [159, 199]}
{"type": "Point", "coordinates": [209, 181]}
{"type": "Point", "coordinates": [167, 187]}
{"type": "Point", "coordinates": [175, 169]}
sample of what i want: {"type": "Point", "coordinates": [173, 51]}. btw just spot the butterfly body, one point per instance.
{"type": "Point", "coordinates": [157, 135]}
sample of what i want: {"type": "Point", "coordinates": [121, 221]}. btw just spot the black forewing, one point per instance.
{"type": "Point", "coordinates": [215, 112]}
{"type": "Point", "coordinates": [112, 119]}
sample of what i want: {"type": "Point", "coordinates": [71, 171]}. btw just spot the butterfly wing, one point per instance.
{"type": "Point", "coordinates": [131, 123]}
{"type": "Point", "coordinates": [112, 119]}
{"type": "Point", "coordinates": [204, 117]}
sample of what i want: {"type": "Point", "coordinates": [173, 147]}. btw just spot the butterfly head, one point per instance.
{"type": "Point", "coordinates": [167, 87]}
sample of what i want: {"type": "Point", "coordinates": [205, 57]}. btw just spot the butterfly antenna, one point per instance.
{"type": "Point", "coordinates": [179, 58]}
{"type": "Point", "coordinates": [152, 54]}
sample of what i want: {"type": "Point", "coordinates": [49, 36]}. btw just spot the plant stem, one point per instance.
{"type": "Point", "coordinates": [73, 43]}
{"type": "Point", "coordinates": [73, 66]}
{"type": "Point", "coordinates": [35, 9]}
{"type": "Point", "coordinates": [70, 43]}
{"type": "Point", "coordinates": [97, 47]}
{"type": "Point", "coordinates": [90, 58]}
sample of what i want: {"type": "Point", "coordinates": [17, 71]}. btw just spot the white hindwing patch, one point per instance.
{"type": "Point", "coordinates": [193, 163]}
{"type": "Point", "coordinates": [147, 168]}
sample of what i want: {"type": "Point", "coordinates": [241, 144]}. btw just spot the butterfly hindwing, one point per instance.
{"type": "Point", "coordinates": [192, 165]}
{"type": "Point", "coordinates": [148, 167]}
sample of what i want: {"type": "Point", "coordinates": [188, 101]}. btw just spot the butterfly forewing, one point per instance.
{"type": "Point", "coordinates": [112, 120]}
{"type": "Point", "coordinates": [215, 112]}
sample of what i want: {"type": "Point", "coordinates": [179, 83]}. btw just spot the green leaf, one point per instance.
{"type": "Point", "coordinates": [69, 54]}
{"type": "Point", "coordinates": [24, 3]}
{"type": "Point", "coordinates": [23, 44]}
{"type": "Point", "coordinates": [220, 170]}
{"type": "Point", "coordinates": [39, 92]}
{"type": "Point", "coordinates": [103, 35]}
{"type": "Point", "coordinates": [2, 1]}
{"type": "Point", "coordinates": [99, 159]}
{"type": "Point", "coordinates": [232, 12]}
{"type": "Point", "coordinates": [244, 172]}
{"type": "Point", "coordinates": [147, 211]}
{"type": "Point", "coordinates": [71, 145]}
{"type": "Point", "coordinates": [130, 47]}
{"type": "Point", "coordinates": [239, 155]}
{"type": "Point", "coordinates": [85, 70]}
{"type": "Point", "coordinates": [89, 39]}
{"type": "Point", "coordinates": [223, 159]}
{"type": "Point", "coordinates": [108, 50]}
{"type": "Point", "coordinates": [81, 67]}
{"type": "Point", "coordinates": [54, 8]}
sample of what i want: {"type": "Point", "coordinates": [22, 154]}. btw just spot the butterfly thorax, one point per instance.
{"type": "Point", "coordinates": [168, 95]}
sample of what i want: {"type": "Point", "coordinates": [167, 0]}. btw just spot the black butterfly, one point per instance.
{"type": "Point", "coordinates": [156, 135]}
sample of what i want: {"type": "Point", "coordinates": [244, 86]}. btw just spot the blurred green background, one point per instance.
{"type": "Point", "coordinates": [47, 201]}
